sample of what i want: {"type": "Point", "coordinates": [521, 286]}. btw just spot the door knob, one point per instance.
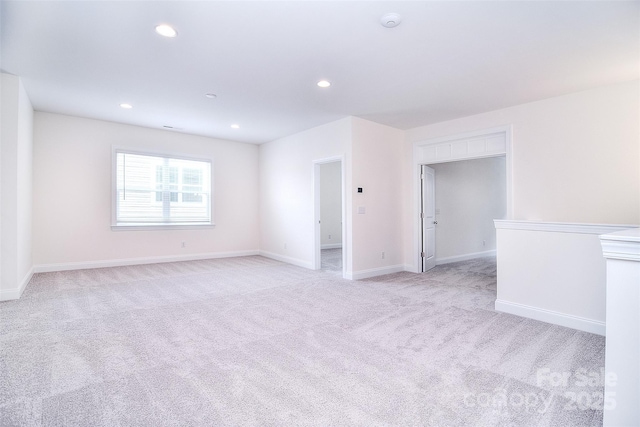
{"type": "Point", "coordinates": [435, 222]}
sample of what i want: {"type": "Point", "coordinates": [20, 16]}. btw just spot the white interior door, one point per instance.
{"type": "Point", "coordinates": [428, 214]}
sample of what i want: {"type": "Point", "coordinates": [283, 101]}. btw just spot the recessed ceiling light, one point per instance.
{"type": "Point", "coordinates": [390, 20]}
{"type": "Point", "coordinates": [211, 95]}
{"type": "Point", "coordinates": [234, 126]}
{"type": "Point", "coordinates": [127, 106]}
{"type": "Point", "coordinates": [324, 83]}
{"type": "Point", "coordinates": [166, 30]}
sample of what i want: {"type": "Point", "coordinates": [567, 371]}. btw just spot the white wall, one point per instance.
{"type": "Point", "coordinates": [575, 157]}
{"type": "Point", "coordinates": [73, 198]}
{"type": "Point", "coordinates": [558, 260]}
{"type": "Point", "coordinates": [287, 190]}
{"type": "Point", "coordinates": [554, 273]}
{"type": "Point", "coordinates": [16, 188]}
{"type": "Point", "coordinates": [574, 160]}
{"type": "Point", "coordinates": [373, 161]}
{"type": "Point", "coordinates": [377, 167]}
{"type": "Point", "coordinates": [469, 195]}
{"type": "Point", "coordinates": [331, 205]}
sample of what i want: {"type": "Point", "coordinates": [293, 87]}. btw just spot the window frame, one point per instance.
{"type": "Point", "coordinates": [166, 154]}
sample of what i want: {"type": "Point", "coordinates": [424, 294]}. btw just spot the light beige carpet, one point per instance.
{"type": "Point", "coordinates": [331, 260]}
{"type": "Point", "coordinates": [251, 341]}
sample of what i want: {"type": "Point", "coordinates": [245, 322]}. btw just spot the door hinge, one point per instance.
{"type": "Point", "coordinates": [422, 254]}
{"type": "Point", "coordinates": [421, 176]}
{"type": "Point", "coordinates": [421, 214]}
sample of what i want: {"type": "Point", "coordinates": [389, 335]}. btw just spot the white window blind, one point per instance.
{"type": "Point", "coordinates": [154, 190]}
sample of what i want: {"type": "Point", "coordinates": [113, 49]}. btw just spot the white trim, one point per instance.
{"type": "Point", "coordinates": [416, 160]}
{"type": "Point", "coordinates": [161, 227]}
{"type": "Point", "coordinates": [560, 227]}
{"type": "Point", "coordinates": [317, 247]}
{"type": "Point", "coordinates": [374, 272]}
{"type": "Point", "coordinates": [409, 268]}
{"type": "Point", "coordinates": [331, 246]}
{"type": "Point", "coordinates": [628, 251]}
{"type": "Point", "coordinates": [46, 268]}
{"type": "Point", "coordinates": [115, 149]}
{"type": "Point", "coordinates": [622, 245]}
{"type": "Point", "coordinates": [286, 259]}
{"type": "Point", "coordinates": [508, 160]}
{"type": "Point", "coordinates": [465, 135]}
{"type": "Point", "coordinates": [465, 257]}
{"type": "Point", "coordinates": [553, 317]}
{"type": "Point", "coordinates": [16, 293]}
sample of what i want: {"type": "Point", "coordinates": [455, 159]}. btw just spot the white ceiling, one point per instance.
{"type": "Point", "coordinates": [447, 59]}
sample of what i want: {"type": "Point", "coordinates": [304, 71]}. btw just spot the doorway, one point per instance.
{"type": "Point", "coordinates": [329, 245]}
{"type": "Point", "coordinates": [492, 142]}
{"type": "Point", "coordinates": [460, 207]}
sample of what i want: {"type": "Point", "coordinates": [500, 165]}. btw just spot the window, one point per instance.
{"type": "Point", "coordinates": [173, 182]}
{"type": "Point", "coordinates": [192, 185]}
{"type": "Point", "coordinates": [158, 190]}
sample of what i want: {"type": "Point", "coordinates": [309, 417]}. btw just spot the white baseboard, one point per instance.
{"type": "Point", "coordinates": [554, 317]}
{"type": "Point", "coordinates": [46, 268]}
{"type": "Point", "coordinates": [288, 260]}
{"type": "Point", "coordinates": [412, 268]}
{"type": "Point", "coordinates": [15, 293]}
{"type": "Point", "coordinates": [464, 257]}
{"type": "Point", "coordinates": [331, 246]}
{"type": "Point", "coordinates": [561, 227]}
{"type": "Point", "coordinates": [381, 271]}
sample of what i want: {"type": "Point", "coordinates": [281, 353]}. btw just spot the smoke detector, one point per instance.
{"type": "Point", "coordinates": [390, 20]}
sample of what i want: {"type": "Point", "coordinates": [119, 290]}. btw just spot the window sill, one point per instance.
{"type": "Point", "coordinates": [161, 227]}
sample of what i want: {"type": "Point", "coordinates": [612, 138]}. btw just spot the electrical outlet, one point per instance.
{"type": "Point", "coordinates": [484, 243]}
{"type": "Point", "coordinates": [329, 236]}
{"type": "Point", "coordinates": [285, 246]}
{"type": "Point", "coordinates": [382, 255]}
{"type": "Point", "coordinates": [184, 244]}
